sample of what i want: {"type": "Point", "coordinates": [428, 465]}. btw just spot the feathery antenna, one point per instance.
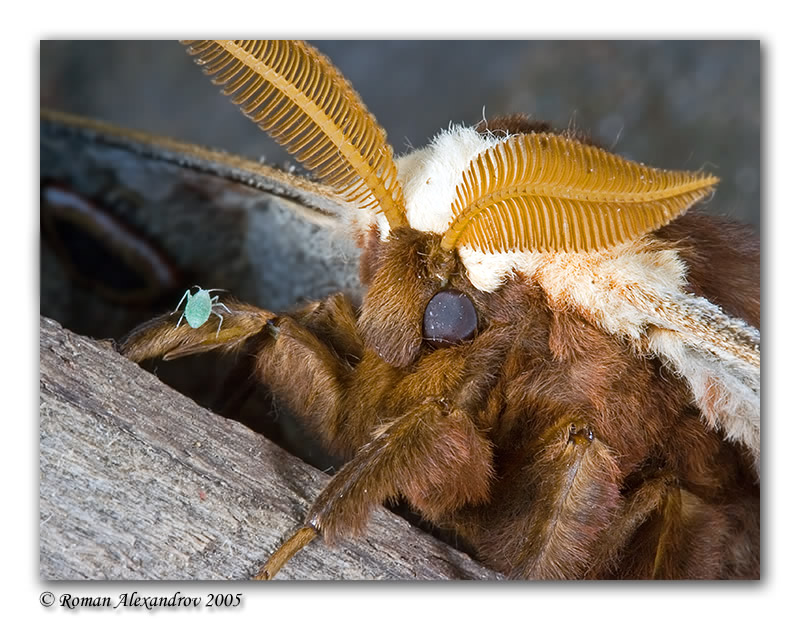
{"type": "Point", "coordinates": [295, 94]}
{"type": "Point", "coordinates": [546, 192]}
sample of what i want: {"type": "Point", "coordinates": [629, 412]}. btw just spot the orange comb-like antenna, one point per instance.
{"type": "Point", "coordinates": [546, 192]}
{"type": "Point", "coordinates": [295, 94]}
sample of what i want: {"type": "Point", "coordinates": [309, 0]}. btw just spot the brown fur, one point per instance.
{"type": "Point", "coordinates": [724, 261]}
{"type": "Point", "coordinates": [522, 123]}
{"type": "Point", "coordinates": [549, 446]}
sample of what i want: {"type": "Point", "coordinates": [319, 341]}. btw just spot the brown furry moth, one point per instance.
{"type": "Point", "coordinates": [552, 360]}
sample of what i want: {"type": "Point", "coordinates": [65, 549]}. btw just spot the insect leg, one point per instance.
{"type": "Point", "coordinates": [285, 552]}
{"type": "Point", "coordinates": [574, 498]}
{"type": "Point", "coordinates": [664, 531]}
{"type": "Point", "coordinates": [430, 444]}
{"type": "Point", "coordinates": [641, 505]}
{"type": "Point", "coordinates": [159, 337]}
{"type": "Point", "coordinates": [185, 295]}
{"type": "Point", "coordinates": [421, 453]}
{"type": "Point", "coordinates": [310, 364]}
{"type": "Point", "coordinates": [219, 327]}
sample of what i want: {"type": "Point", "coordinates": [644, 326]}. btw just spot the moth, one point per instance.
{"type": "Point", "coordinates": [552, 360]}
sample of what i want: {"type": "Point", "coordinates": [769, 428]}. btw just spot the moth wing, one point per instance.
{"type": "Point", "coordinates": [130, 221]}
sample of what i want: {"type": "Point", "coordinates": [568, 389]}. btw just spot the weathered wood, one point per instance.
{"type": "Point", "coordinates": [139, 482]}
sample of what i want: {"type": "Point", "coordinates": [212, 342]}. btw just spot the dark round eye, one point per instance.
{"type": "Point", "coordinates": [450, 318]}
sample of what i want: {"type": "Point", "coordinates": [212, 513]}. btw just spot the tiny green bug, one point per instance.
{"type": "Point", "coordinates": [200, 306]}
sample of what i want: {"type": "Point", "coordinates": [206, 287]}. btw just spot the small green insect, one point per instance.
{"type": "Point", "coordinates": [200, 306]}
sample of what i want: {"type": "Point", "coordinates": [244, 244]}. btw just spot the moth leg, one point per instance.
{"type": "Point", "coordinates": [159, 337]}
{"type": "Point", "coordinates": [427, 452]}
{"type": "Point", "coordinates": [642, 504]}
{"type": "Point", "coordinates": [573, 495]}
{"type": "Point", "coordinates": [423, 453]}
{"type": "Point", "coordinates": [285, 552]}
{"type": "Point", "coordinates": [333, 320]}
{"type": "Point", "coordinates": [667, 532]}
{"type": "Point", "coordinates": [333, 315]}
{"type": "Point", "coordinates": [311, 366]}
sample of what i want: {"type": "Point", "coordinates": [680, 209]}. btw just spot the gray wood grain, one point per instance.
{"type": "Point", "coordinates": [139, 482]}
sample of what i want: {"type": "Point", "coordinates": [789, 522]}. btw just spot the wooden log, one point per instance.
{"type": "Point", "coordinates": [139, 482]}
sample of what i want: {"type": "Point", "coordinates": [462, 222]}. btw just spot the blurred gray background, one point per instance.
{"type": "Point", "coordinates": [672, 104]}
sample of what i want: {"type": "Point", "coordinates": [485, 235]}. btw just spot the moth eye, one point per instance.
{"type": "Point", "coordinates": [450, 318]}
